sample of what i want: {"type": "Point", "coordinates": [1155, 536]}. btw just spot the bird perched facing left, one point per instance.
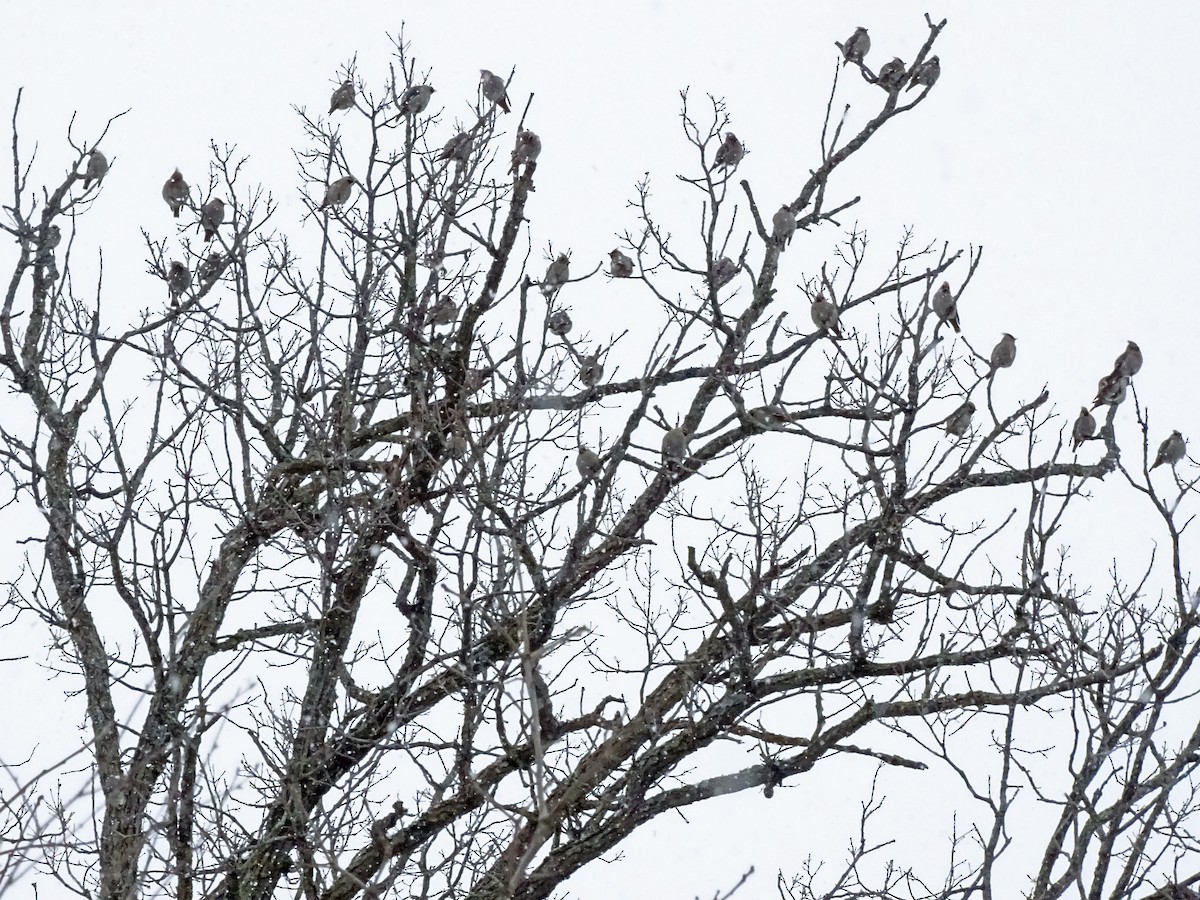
{"type": "Point", "coordinates": [856, 47]}
{"type": "Point", "coordinates": [959, 421]}
{"type": "Point", "coordinates": [1005, 352]}
{"type": "Point", "coordinates": [825, 316]}
{"type": "Point", "coordinates": [590, 370]}
{"type": "Point", "coordinates": [1170, 451]}
{"type": "Point", "coordinates": [212, 214]}
{"type": "Point", "coordinates": [784, 222]}
{"type": "Point", "coordinates": [730, 153]}
{"type": "Point", "coordinates": [458, 148]}
{"type": "Point", "coordinates": [927, 73]}
{"type": "Point", "coordinates": [175, 192]}
{"type": "Point", "coordinates": [558, 273]}
{"type": "Point", "coordinates": [723, 272]}
{"type": "Point", "coordinates": [97, 168]}
{"type": "Point", "coordinates": [493, 89]}
{"type": "Point", "coordinates": [526, 150]}
{"type": "Point", "coordinates": [415, 99]}
{"type": "Point", "coordinates": [342, 98]}
{"type": "Point", "coordinates": [891, 76]}
{"type": "Point", "coordinates": [179, 279]}
{"type": "Point", "coordinates": [588, 463]}
{"type": "Point", "coordinates": [619, 265]}
{"type": "Point", "coordinates": [338, 192]}
{"type": "Point", "coordinates": [946, 307]}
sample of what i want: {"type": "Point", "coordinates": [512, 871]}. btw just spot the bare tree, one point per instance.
{"type": "Point", "coordinates": [385, 629]}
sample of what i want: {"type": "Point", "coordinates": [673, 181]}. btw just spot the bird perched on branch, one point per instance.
{"type": "Point", "coordinates": [338, 192]}
{"type": "Point", "coordinates": [527, 149]}
{"type": "Point", "coordinates": [342, 98]}
{"type": "Point", "coordinates": [945, 307]}
{"type": "Point", "coordinates": [784, 222]}
{"type": "Point", "coordinates": [558, 273]}
{"type": "Point", "coordinates": [856, 47]}
{"type": "Point", "coordinates": [175, 192]}
{"type": "Point", "coordinates": [1005, 352]}
{"type": "Point", "coordinates": [559, 323]}
{"type": "Point", "coordinates": [415, 99]}
{"type": "Point", "coordinates": [825, 316]}
{"type": "Point", "coordinates": [97, 168]}
{"type": "Point", "coordinates": [1170, 451]}
{"type": "Point", "coordinates": [588, 463]}
{"type": "Point", "coordinates": [675, 445]}
{"type": "Point", "coordinates": [211, 267]}
{"type": "Point", "coordinates": [730, 153]}
{"type": "Point", "coordinates": [212, 214]}
{"type": "Point", "coordinates": [619, 265]}
{"type": "Point", "coordinates": [493, 89]}
{"type": "Point", "coordinates": [927, 73]}
{"type": "Point", "coordinates": [891, 76]}
{"type": "Point", "coordinates": [723, 272]}
{"type": "Point", "coordinates": [959, 421]}
{"type": "Point", "coordinates": [1111, 390]}
{"type": "Point", "coordinates": [179, 279]}
{"type": "Point", "coordinates": [590, 370]}
{"type": "Point", "coordinates": [1129, 363]}
{"type": "Point", "coordinates": [458, 148]}
{"type": "Point", "coordinates": [1084, 428]}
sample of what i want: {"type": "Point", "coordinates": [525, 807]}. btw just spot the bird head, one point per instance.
{"type": "Point", "coordinates": [1131, 345]}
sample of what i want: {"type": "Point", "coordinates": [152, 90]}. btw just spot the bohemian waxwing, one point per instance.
{"type": "Point", "coordinates": [493, 89]}
{"type": "Point", "coordinates": [443, 313]}
{"type": "Point", "coordinates": [825, 316]}
{"type": "Point", "coordinates": [675, 445]}
{"type": "Point", "coordinates": [1084, 428]}
{"type": "Point", "coordinates": [526, 150]}
{"type": "Point", "coordinates": [212, 214]}
{"type": "Point", "coordinates": [343, 97]}
{"type": "Point", "coordinates": [945, 307]}
{"type": "Point", "coordinates": [53, 238]}
{"type": "Point", "coordinates": [557, 274]}
{"type": "Point", "coordinates": [590, 370]}
{"type": "Point", "coordinates": [785, 225]}
{"type": "Point", "coordinates": [730, 153]}
{"type": "Point", "coordinates": [179, 279]}
{"type": "Point", "coordinates": [1170, 451]}
{"type": "Point", "coordinates": [891, 76]}
{"type": "Point", "coordinates": [619, 265]}
{"type": "Point", "coordinates": [1004, 352]}
{"type": "Point", "coordinates": [724, 270]}
{"type": "Point", "coordinates": [588, 463]}
{"type": "Point", "coordinates": [414, 99]}
{"type": "Point", "coordinates": [1129, 363]}
{"type": "Point", "coordinates": [559, 323]}
{"type": "Point", "coordinates": [458, 148]}
{"type": "Point", "coordinates": [927, 74]}
{"type": "Point", "coordinates": [856, 47]}
{"type": "Point", "coordinates": [175, 192]}
{"type": "Point", "coordinates": [959, 421]}
{"type": "Point", "coordinates": [1111, 390]}
{"type": "Point", "coordinates": [97, 168]}
{"type": "Point", "coordinates": [338, 192]}
{"type": "Point", "coordinates": [211, 267]}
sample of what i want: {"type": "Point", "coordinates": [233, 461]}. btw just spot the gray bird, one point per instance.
{"type": "Point", "coordinates": [557, 274]}
{"type": "Point", "coordinates": [891, 76]}
{"type": "Point", "coordinates": [212, 214]}
{"type": "Point", "coordinates": [53, 238]}
{"type": "Point", "coordinates": [959, 421]}
{"type": "Point", "coordinates": [1084, 428]}
{"type": "Point", "coordinates": [338, 192]}
{"type": "Point", "coordinates": [590, 370]}
{"type": "Point", "coordinates": [559, 323]}
{"type": "Point", "coordinates": [946, 307]}
{"type": "Point", "coordinates": [414, 99]}
{"type": "Point", "coordinates": [526, 150]}
{"type": "Point", "coordinates": [458, 444]}
{"type": "Point", "coordinates": [175, 192]}
{"type": "Point", "coordinates": [770, 416]}
{"type": "Point", "coordinates": [675, 445]}
{"type": "Point", "coordinates": [856, 47]}
{"type": "Point", "coordinates": [588, 463]}
{"type": "Point", "coordinates": [493, 89]}
{"type": "Point", "coordinates": [1004, 352]}
{"type": "Point", "coordinates": [179, 279]}
{"type": "Point", "coordinates": [97, 168]}
{"type": "Point", "coordinates": [927, 73]}
{"type": "Point", "coordinates": [784, 222]}
{"type": "Point", "coordinates": [730, 153]}
{"type": "Point", "coordinates": [1170, 451]}
{"type": "Point", "coordinates": [458, 148]}
{"type": "Point", "coordinates": [619, 265]}
{"type": "Point", "coordinates": [723, 272]}
{"type": "Point", "coordinates": [342, 98]}
{"type": "Point", "coordinates": [1111, 390]}
{"type": "Point", "coordinates": [443, 313]}
{"type": "Point", "coordinates": [1129, 363]}
{"type": "Point", "coordinates": [211, 267]}
{"type": "Point", "coordinates": [825, 316]}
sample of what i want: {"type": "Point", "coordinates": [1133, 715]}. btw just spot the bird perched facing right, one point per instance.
{"type": "Point", "coordinates": [493, 89]}
{"type": "Point", "coordinates": [588, 463]}
{"type": "Point", "coordinates": [1005, 352]}
{"type": "Point", "coordinates": [179, 279]}
{"type": "Point", "coordinates": [342, 98]}
{"type": "Point", "coordinates": [458, 148]}
{"type": "Point", "coordinates": [211, 267]}
{"type": "Point", "coordinates": [891, 76]}
{"type": "Point", "coordinates": [723, 272]}
{"type": "Point", "coordinates": [619, 265]}
{"type": "Point", "coordinates": [927, 73]}
{"type": "Point", "coordinates": [1129, 363]}
{"type": "Point", "coordinates": [1084, 428]}
{"type": "Point", "coordinates": [784, 222]}
{"type": "Point", "coordinates": [527, 149]}
{"type": "Point", "coordinates": [212, 214]}
{"type": "Point", "coordinates": [675, 445]}
{"type": "Point", "coordinates": [825, 316]}
{"type": "Point", "coordinates": [730, 153]}
{"type": "Point", "coordinates": [590, 370]}
{"type": "Point", "coordinates": [1170, 451]}
{"type": "Point", "coordinates": [415, 99]}
{"type": "Point", "coordinates": [856, 47]}
{"type": "Point", "coordinates": [97, 168]}
{"type": "Point", "coordinates": [175, 192]}
{"type": "Point", "coordinates": [945, 307]}
{"type": "Point", "coordinates": [959, 421]}
{"type": "Point", "coordinates": [558, 273]}
{"type": "Point", "coordinates": [338, 192]}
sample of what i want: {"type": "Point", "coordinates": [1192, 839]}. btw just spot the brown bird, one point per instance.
{"type": "Point", "coordinates": [1084, 428]}
{"type": "Point", "coordinates": [946, 307]}
{"type": "Point", "coordinates": [825, 316]}
{"type": "Point", "coordinates": [590, 370]}
{"type": "Point", "coordinates": [588, 463]}
{"type": "Point", "coordinates": [557, 274]}
{"type": "Point", "coordinates": [343, 97]}
{"type": "Point", "coordinates": [856, 47]}
{"type": "Point", "coordinates": [559, 323]}
{"type": "Point", "coordinates": [927, 73]}
{"type": "Point", "coordinates": [1170, 451]}
{"type": "Point", "coordinates": [1111, 390]}
{"type": "Point", "coordinates": [527, 149]}
{"type": "Point", "coordinates": [212, 214]}
{"type": "Point", "coordinates": [338, 192]}
{"type": "Point", "coordinates": [784, 222]}
{"type": "Point", "coordinates": [458, 148]}
{"type": "Point", "coordinates": [175, 192]}
{"type": "Point", "coordinates": [1004, 352]}
{"type": "Point", "coordinates": [724, 270]}
{"type": "Point", "coordinates": [415, 99]}
{"type": "Point", "coordinates": [891, 76]}
{"type": "Point", "coordinates": [97, 168]}
{"type": "Point", "coordinates": [959, 421]}
{"type": "Point", "coordinates": [179, 279]}
{"type": "Point", "coordinates": [730, 153]}
{"type": "Point", "coordinates": [493, 89]}
{"type": "Point", "coordinates": [619, 265]}
{"type": "Point", "coordinates": [675, 445]}
{"type": "Point", "coordinates": [1129, 363]}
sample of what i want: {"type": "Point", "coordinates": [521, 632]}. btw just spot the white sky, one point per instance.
{"type": "Point", "coordinates": [1060, 137]}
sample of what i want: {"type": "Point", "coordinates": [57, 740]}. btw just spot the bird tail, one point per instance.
{"type": "Point", "coordinates": [176, 209]}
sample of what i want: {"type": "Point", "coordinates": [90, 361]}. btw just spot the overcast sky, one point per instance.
{"type": "Point", "coordinates": [1060, 137]}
